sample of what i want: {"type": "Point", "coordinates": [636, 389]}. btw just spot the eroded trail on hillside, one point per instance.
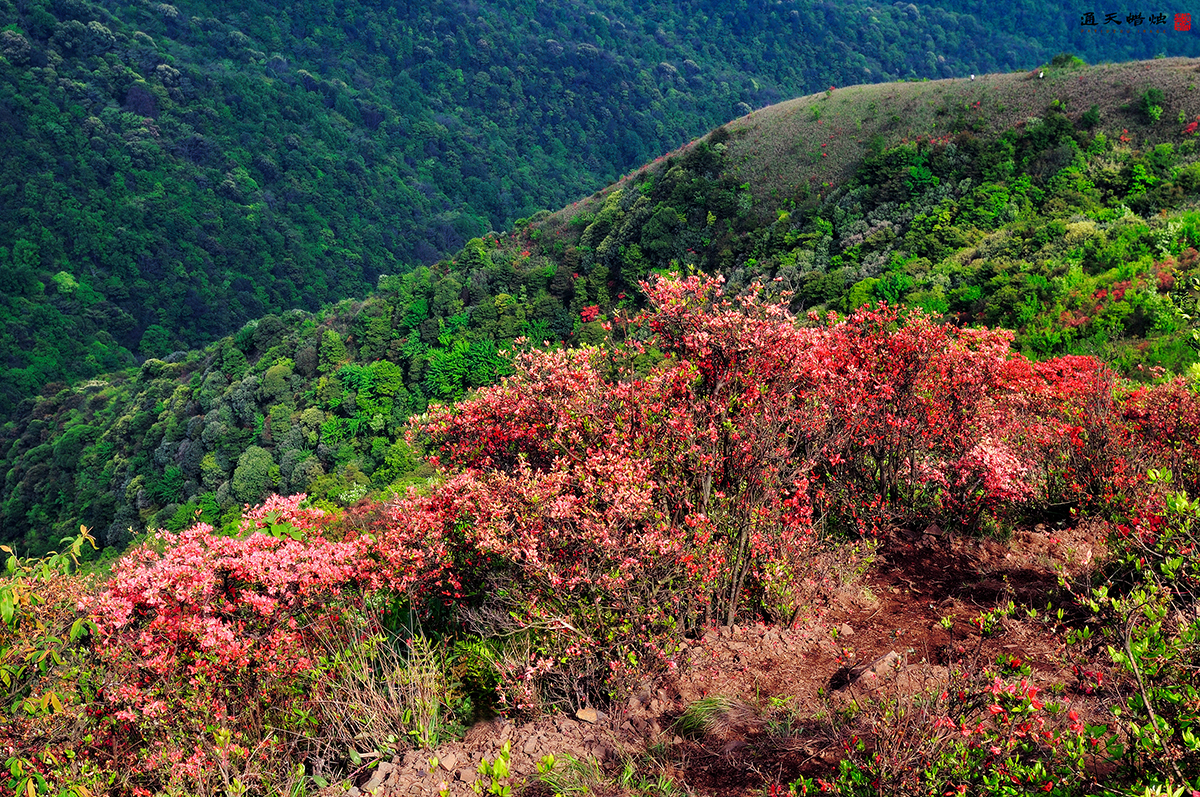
{"type": "Point", "coordinates": [911, 620]}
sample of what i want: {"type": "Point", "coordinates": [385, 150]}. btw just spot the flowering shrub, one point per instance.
{"type": "Point", "coordinates": [983, 734]}
{"type": "Point", "coordinates": [581, 547]}
{"type": "Point", "coordinates": [207, 631]}
{"type": "Point", "coordinates": [1074, 433]}
{"type": "Point", "coordinates": [1146, 608]}
{"type": "Point", "coordinates": [217, 604]}
{"type": "Point", "coordinates": [617, 513]}
{"type": "Point", "coordinates": [1164, 420]}
{"type": "Point", "coordinates": [199, 630]}
{"type": "Point", "coordinates": [918, 418]}
{"type": "Point", "coordinates": [736, 423]}
{"type": "Point", "coordinates": [690, 492]}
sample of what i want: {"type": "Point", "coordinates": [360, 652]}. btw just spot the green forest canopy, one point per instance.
{"type": "Point", "coordinates": [1063, 229]}
{"type": "Point", "coordinates": [171, 172]}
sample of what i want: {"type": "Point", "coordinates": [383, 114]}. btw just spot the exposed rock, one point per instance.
{"type": "Point", "coordinates": [373, 785]}
{"type": "Point", "coordinates": [877, 672]}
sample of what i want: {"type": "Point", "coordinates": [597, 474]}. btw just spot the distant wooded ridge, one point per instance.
{"type": "Point", "coordinates": [1008, 202]}
{"type": "Point", "coordinates": [171, 172]}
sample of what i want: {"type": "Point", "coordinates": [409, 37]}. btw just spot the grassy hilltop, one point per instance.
{"type": "Point", "coordinates": [819, 141]}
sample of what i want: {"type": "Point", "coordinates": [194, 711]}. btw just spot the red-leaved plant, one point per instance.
{"type": "Point", "coordinates": [588, 514]}
{"type": "Point", "coordinates": [689, 493]}
{"type": "Point", "coordinates": [199, 630]}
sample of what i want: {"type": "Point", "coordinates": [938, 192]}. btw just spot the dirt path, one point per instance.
{"type": "Point", "coordinates": [931, 602]}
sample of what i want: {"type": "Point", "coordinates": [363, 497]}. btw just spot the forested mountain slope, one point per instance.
{"type": "Point", "coordinates": [169, 172]}
{"type": "Point", "coordinates": [999, 201]}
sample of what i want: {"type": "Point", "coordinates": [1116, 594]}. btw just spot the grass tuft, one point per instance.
{"type": "Point", "coordinates": [572, 775]}
{"type": "Point", "coordinates": [716, 715]}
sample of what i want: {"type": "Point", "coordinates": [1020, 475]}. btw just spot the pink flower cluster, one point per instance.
{"type": "Point", "coordinates": [197, 626]}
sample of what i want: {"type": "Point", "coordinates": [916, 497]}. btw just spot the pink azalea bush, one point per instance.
{"type": "Point", "coordinates": [200, 630]}
{"type": "Point", "coordinates": [590, 511]}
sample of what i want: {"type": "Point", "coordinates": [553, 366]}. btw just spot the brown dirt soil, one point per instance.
{"type": "Point", "coordinates": [896, 631]}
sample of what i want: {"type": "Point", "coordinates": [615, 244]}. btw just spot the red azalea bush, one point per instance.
{"type": "Point", "coordinates": [620, 512]}
{"type": "Point", "coordinates": [199, 630]}
{"type": "Point", "coordinates": [920, 419]}
{"type": "Point", "coordinates": [589, 514]}
{"type": "Point", "coordinates": [712, 430]}
{"type": "Point", "coordinates": [1164, 420]}
{"type": "Point", "coordinates": [689, 493]}
{"type": "Point", "coordinates": [1075, 433]}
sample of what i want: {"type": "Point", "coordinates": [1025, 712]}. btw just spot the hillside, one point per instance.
{"type": "Point", "coordinates": [1077, 229]}
{"type": "Point", "coordinates": [172, 172]}
{"type": "Point", "coordinates": [724, 554]}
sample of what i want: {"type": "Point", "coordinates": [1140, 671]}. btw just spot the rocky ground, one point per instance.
{"type": "Point", "coordinates": [896, 627]}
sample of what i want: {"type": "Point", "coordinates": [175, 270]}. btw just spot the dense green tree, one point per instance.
{"type": "Point", "coordinates": [333, 352]}
{"type": "Point", "coordinates": [252, 477]}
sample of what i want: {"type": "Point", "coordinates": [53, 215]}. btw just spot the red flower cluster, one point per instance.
{"type": "Point", "coordinates": [601, 508]}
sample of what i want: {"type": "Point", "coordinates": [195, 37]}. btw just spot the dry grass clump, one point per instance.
{"type": "Point", "coordinates": [718, 716]}
{"type": "Point", "coordinates": [385, 689]}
